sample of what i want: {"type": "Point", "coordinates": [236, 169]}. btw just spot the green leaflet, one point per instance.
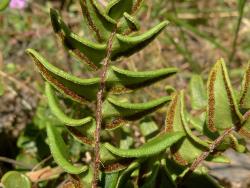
{"type": "Point", "coordinates": [151, 180]}
{"type": "Point", "coordinates": [244, 102]}
{"type": "Point", "coordinates": [114, 108]}
{"type": "Point", "coordinates": [152, 147]}
{"type": "Point", "coordinates": [176, 121]}
{"type": "Point", "coordinates": [80, 90]}
{"type": "Point", "coordinates": [219, 158]}
{"type": "Point", "coordinates": [83, 90]}
{"type": "Point", "coordinates": [112, 163]}
{"type": "Point", "coordinates": [148, 127]}
{"type": "Point", "coordinates": [198, 122]}
{"type": "Point", "coordinates": [196, 145]}
{"type": "Point", "coordinates": [186, 126]}
{"type": "Point", "coordinates": [128, 80]}
{"type": "Point", "coordinates": [245, 129]}
{"type": "Point", "coordinates": [59, 151]}
{"type": "Point", "coordinates": [198, 92]}
{"type": "Point", "coordinates": [245, 90]}
{"type": "Point", "coordinates": [128, 24]}
{"type": "Point", "coordinates": [87, 51]}
{"type": "Point", "coordinates": [98, 21]}
{"type": "Point", "coordinates": [57, 111]}
{"type": "Point", "coordinates": [236, 145]}
{"type": "Point", "coordinates": [83, 134]}
{"type": "Point", "coordinates": [106, 156]}
{"type": "Point", "coordinates": [125, 175]}
{"type": "Point", "coordinates": [86, 178]}
{"type": "Point", "coordinates": [128, 45]}
{"type": "Point", "coordinates": [222, 109]}
{"type": "Point", "coordinates": [83, 49]}
{"type": "Point", "coordinates": [4, 4]}
{"type": "Point", "coordinates": [13, 179]}
{"type": "Point", "coordinates": [110, 180]}
{"type": "Point", "coordinates": [116, 8]}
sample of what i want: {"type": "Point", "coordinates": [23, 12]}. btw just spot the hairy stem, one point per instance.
{"type": "Point", "coordinates": [212, 147]}
{"type": "Point", "coordinates": [205, 154]}
{"type": "Point", "coordinates": [99, 110]}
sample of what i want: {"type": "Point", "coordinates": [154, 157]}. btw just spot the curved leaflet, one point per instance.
{"type": "Point", "coordinates": [244, 102]}
{"type": "Point", "coordinates": [114, 108]}
{"type": "Point", "coordinates": [198, 92]}
{"type": "Point", "coordinates": [125, 175]}
{"type": "Point", "coordinates": [129, 80]}
{"type": "Point", "coordinates": [56, 110]}
{"type": "Point", "coordinates": [152, 147]}
{"type": "Point", "coordinates": [176, 121]}
{"type": "Point", "coordinates": [128, 24]}
{"type": "Point", "coordinates": [111, 180]}
{"type": "Point", "coordinates": [245, 90]}
{"type": "Point", "coordinates": [221, 100]}
{"type": "Point", "coordinates": [128, 45]}
{"type": "Point", "coordinates": [98, 21]}
{"type": "Point", "coordinates": [116, 8]}
{"type": "Point", "coordinates": [81, 48]}
{"type": "Point", "coordinates": [60, 152]}
{"type": "Point", "coordinates": [80, 90]}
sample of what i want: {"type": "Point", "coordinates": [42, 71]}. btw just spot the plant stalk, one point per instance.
{"type": "Point", "coordinates": [212, 147]}
{"type": "Point", "coordinates": [100, 94]}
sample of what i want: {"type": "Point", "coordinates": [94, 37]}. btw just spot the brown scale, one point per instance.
{"type": "Point", "coordinates": [89, 19]}
{"type": "Point", "coordinates": [229, 95]}
{"type": "Point", "coordinates": [244, 132]}
{"type": "Point", "coordinates": [233, 141]}
{"type": "Point", "coordinates": [119, 90]}
{"type": "Point", "coordinates": [60, 35]}
{"type": "Point", "coordinates": [246, 85]}
{"type": "Point", "coordinates": [211, 102]}
{"type": "Point", "coordinates": [77, 52]}
{"type": "Point", "coordinates": [50, 78]}
{"type": "Point", "coordinates": [130, 30]}
{"type": "Point", "coordinates": [177, 156]}
{"type": "Point", "coordinates": [76, 181]}
{"type": "Point", "coordinates": [171, 114]}
{"type": "Point", "coordinates": [115, 123]}
{"type": "Point", "coordinates": [79, 135]}
{"type": "Point", "coordinates": [116, 166]}
{"type": "Point", "coordinates": [136, 6]}
{"type": "Point", "coordinates": [84, 58]}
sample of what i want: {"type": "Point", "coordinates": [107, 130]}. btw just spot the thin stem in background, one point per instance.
{"type": "Point", "coordinates": [99, 110]}
{"type": "Point", "coordinates": [241, 5]}
{"type": "Point", "coordinates": [14, 162]}
{"type": "Point", "coordinates": [184, 50]}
